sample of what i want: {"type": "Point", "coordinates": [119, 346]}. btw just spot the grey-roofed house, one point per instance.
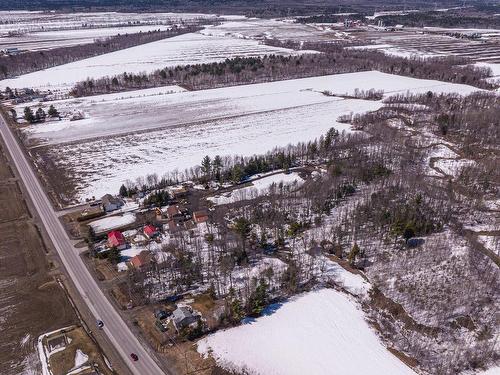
{"type": "Point", "coordinates": [110, 203]}
{"type": "Point", "coordinates": [183, 317]}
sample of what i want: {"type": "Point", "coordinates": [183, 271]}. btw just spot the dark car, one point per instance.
{"type": "Point", "coordinates": [100, 324]}
{"type": "Point", "coordinates": [134, 357]}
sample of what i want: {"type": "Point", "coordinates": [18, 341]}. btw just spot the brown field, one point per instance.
{"type": "Point", "coordinates": [31, 302]}
{"type": "Point", "coordinates": [62, 362]}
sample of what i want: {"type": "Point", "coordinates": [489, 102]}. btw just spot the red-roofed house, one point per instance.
{"type": "Point", "coordinates": [141, 259]}
{"type": "Point", "coordinates": [116, 239]}
{"type": "Point", "coordinates": [200, 216]}
{"type": "Point", "coordinates": [150, 231]}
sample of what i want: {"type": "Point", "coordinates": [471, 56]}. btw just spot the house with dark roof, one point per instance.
{"type": "Point", "coordinates": [116, 239]}
{"type": "Point", "coordinates": [183, 317]}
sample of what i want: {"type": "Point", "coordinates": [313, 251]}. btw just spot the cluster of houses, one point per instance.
{"type": "Point", "coordinates": [172, 219]}
{"type": "Point", "coordinates": [179, 217]}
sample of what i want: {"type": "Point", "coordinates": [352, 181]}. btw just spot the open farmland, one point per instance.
{"type": "Point", "coordinates": [147, 133]}
{"type": "Point", "coordinates": [30, 300]}
{"type": "Point", "coordinates": [320, 332]}
{"type": "Point", "coordinates": [414, 42]}
{"type": "Point", "coordinates": [185, 49]}
{"type": "Point", "coordinates": [255, 28]}
{"type": "Point", "coordinates": [65, 38]}
{"type": "Point", "coordinates": [24, 22]}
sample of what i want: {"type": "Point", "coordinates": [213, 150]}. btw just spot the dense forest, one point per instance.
{"type": "Point", "coordinates": [27, 62]}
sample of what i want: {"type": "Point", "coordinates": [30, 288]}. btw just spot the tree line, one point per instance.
{"type": "Point", "coordinates": [27, 62]}
{"type": "Point", "coordinates": [334, 60]}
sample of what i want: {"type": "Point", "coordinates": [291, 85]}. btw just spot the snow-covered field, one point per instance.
{"type": "Point", "coordinates": [147, 132]}
{"type": "Point", "coordinates": [258, 188]}
{"type": "Point", "coordinates": [54, 39]}
{"type": "Point", "coordinates": [256, 28]}
{"type": "Point", "coordinates": [320, 332]}
{"type": "Point", "coordinates": [392, 50]}
{"type": "Point", "coordinates": [193, 48]}
{"type": "Point", "coordinates": [113, 114]}
{"type": "Point", "coordinates": [23, 22]}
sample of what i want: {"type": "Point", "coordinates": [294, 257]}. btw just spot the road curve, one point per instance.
{"type": "Point", "coordinates": [115, 328]}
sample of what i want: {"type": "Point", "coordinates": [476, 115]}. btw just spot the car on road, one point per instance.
{"type": "Point", "coordinates": [100, 324]}
{"type": "Point", "coordinates": [134, 357]}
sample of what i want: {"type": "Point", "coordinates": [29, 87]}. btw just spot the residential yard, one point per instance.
{"type": "Point", "coordinates": [79, 344]}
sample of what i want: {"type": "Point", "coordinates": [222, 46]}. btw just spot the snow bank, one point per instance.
{"type": "Point", "coordinates": [80, 358]}
{"type": "Point", "coordinates": [353, 283]}
{"type": "Point", "coordinates": [321, 332]}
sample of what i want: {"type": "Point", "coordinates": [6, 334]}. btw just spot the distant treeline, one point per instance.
{"type": "Point", "coordinates": [458, 18]}
{"type": "Point", "coordinates": [335, 60]}
{"type": "Point", "coordinates": [11, 66]}
{"type": "Point", "coordinates": [331, 18]}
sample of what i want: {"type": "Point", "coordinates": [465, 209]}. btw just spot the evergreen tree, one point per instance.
{"type": "Point", "coordinates": [29, 115]}
{"type": "Point", "coordinates": [258, 299]}
{"type": "Point", "coordinates": [40, 115]}
{"type": "Point", "coordinates": [236, 312]}
{"type": "Point", "coordinates": [237, 174]}
{"type": "Point", "coordinates": [243, 227]}
{"type": "Point", "coordinates": [217, 167]}
{"type": "Point", "coordinates": [123, 191]}
{"type": "Point", "coordinates": [353, 254]}
{"type": "Point", "coordinates": [114, 255]}
{"type": "Point", "coordinates": [206, 165]}
{"type": "Point", "coordinates": [52, 112]}
{"type": "Point", "coordinates": [408, 232]}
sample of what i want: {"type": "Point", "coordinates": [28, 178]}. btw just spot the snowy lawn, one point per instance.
{"type": "Point", "coordinates": [112, 222]}
{"type": "Point", "coordinates": [320, 332]}
{"type": "Point", "coordinates": [258, 188]}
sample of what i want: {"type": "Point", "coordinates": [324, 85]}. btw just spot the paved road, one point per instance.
{"type": "Point", "coordinates": [115, 328]}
